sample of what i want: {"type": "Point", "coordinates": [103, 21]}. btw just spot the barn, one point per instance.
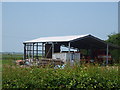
{"type": "Point", "coordinates": [50, 48]}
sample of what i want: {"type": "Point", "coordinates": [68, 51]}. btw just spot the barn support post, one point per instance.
{"type": "Point", "coordinates": [30, 52]}
{"type": "Point", "coordinates": [33, 53]}
{"type": "Point", "coordinates": [52, 48]}
{"type": "Point", "coordinates": [37, 50]}
{"type": "Point", "coordinates": [69, 52]}
{"type": "Point", "coordinates": [107, 50]}
{"type": "Point", "coordinates": [42, 49]}
{"type": "Point", "coordinates": [24, 51]}
{"type": "Point", "coordinates": [37, 59]}
{"type": "Point", "coordinates": [27, 49]}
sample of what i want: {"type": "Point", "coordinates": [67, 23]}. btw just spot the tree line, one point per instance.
{"type": "Point", "coordinates": [115, 39]}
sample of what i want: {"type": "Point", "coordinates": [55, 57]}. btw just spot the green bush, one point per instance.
{"type": "Point", "coordinates": [70, 77]}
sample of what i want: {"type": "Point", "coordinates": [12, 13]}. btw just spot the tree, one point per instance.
{"type": "Point", "coordinates": [115, 39]}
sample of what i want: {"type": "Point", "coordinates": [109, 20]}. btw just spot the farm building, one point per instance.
{"type": "Point", "coordinates": [50, 48]}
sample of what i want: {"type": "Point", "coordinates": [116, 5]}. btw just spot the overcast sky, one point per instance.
{"type": "Point", "coordinates": [26, 21]}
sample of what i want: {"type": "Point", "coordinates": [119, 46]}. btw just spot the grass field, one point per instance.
{"type": "Point", "coordinates": [0, 71]}
{"type": "Point", "coordinates": [83, 76]}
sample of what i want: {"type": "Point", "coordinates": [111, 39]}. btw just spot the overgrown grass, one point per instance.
{"type": "Point", "coordinates": [83, 76]}
{"type": "Point", "coordinates": [71, 77]}
{"type": "Point", "coordinates": [0, 76]}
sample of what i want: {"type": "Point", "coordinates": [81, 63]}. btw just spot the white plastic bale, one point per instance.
{"type": "Point", "coordinates": [61, 56]}
{"type": "Point", "coordinates": [66, 56]}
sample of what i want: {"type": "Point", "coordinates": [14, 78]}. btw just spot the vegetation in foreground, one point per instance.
{"type": "Point", "coordinates": [87, 76]}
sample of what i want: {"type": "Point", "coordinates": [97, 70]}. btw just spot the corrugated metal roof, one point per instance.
{"type": "Point", "coordinates": [56, 39]}
{"type": "Point", "coordinates": [88, 41]}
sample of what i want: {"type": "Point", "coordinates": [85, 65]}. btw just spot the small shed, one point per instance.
{"type": "Point", "coordinates": [49, 47]}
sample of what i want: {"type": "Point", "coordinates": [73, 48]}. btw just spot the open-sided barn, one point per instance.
{"type": "Point", "coordinates": [50, 47]}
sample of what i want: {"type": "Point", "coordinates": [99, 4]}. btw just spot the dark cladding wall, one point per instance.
{"type": "Point", "coordinates": [48, 50]}
{"type": "Point", "coordinates": [56, 48]}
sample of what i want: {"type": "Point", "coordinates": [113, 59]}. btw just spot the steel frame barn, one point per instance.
{"type": "Point", "coordinates": [33, 49]}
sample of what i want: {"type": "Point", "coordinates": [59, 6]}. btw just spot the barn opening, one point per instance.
{"type": "Point", "coordinates": [95, 49]}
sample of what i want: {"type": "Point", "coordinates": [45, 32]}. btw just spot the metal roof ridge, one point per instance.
{"type": "Point", "coordinates": [58, 37]}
